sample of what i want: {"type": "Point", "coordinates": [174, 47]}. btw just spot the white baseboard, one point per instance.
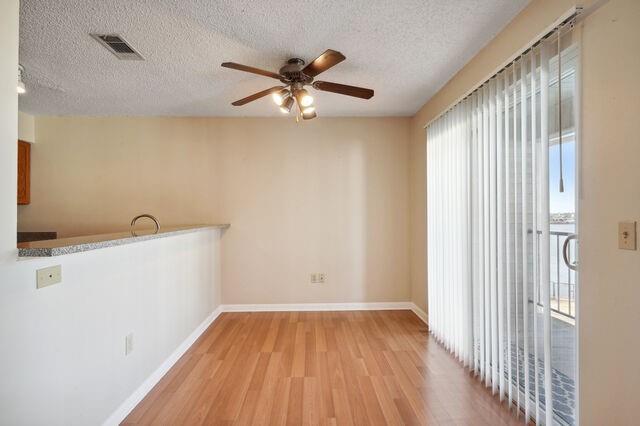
{"type": "Point", "coordinates": [306, 307]}
{"type": "Point", "coordinates": [420, 313]}
{"type": "Point", "coordinates": [138, 395]}
{"type": "Point", "coordinates": [288, 307]}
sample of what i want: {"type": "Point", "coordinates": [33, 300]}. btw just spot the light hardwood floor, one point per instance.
{"type": "Point", "coordinates": [364, 367]}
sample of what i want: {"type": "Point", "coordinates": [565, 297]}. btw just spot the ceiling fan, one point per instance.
{"type": "Point", "coordinates": [295, 76]}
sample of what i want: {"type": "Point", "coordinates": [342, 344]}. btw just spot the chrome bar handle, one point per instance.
{"type": "Point", "coordinates": [565, 254]}
{"type": "Point", "coordinates": [135, 219]}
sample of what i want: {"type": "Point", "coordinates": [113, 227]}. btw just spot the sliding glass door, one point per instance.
{"type": "Point", "coordinates": [502, 236]}
{"type": "Point", "coordinates": [563, 225]}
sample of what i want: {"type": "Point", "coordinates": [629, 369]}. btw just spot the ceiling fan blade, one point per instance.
{"type": "Point", "coordinates": [258, 95]}
{"type": "Point", "coordinates": [252, 70]}
{"type": "Point", "coordinates": [343, 89]}
{"type": "Point", "coordinates": [323, 62]}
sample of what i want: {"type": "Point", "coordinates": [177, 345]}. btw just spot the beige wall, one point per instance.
{"type": "Point", "coordinates": [26, 127]}
{"type": "Point", "coordinates": [610, 278]}
{"type": "Point", "coordinates": [329, 196]}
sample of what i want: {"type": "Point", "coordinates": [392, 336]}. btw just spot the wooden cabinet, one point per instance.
{"type": "Point", "coordinates": [24, 172]}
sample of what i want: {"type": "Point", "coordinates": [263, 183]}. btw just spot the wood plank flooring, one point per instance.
{"type": "Point", "coordinates": [319, 368]}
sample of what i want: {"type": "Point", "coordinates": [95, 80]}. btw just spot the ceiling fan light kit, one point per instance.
{"type": "Point", "coordinates": [309, 115]}
{"type": "Point", "coordinates": [279, 97]}
{"type": "Point", "coordinates": [287, 105]}
{"type": "Point", "coordinates": [295, 76]}
{"type": "Point", "coordinates": [21, 88]}
{"type": "Point", "coordinates": [304, 98]}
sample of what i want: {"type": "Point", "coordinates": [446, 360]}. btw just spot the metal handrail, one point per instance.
{"type": "Point", "coordinates": [555, 285]}
{"type": "Point", "coordinates": [147, 215]}
{"type": "Point", "coordinates": [565, 252]}
{"type": "Point", "coordinates": [561, 233]}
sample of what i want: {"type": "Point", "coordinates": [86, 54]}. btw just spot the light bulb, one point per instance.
{"type": "Point", "coordinates": [20, 88]}
{"type": "Point", "coordinates": [304, 98]}
{"type": "Point", "coordinates": [279, 97]}
{"type": "Point", "coordinates": [308, 110]}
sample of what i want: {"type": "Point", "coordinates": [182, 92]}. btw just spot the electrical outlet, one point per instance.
{"type": "Point", "coordinates": [318, 278]}
{"type": "Point", "coordinates": [48, 276]}
{"type": "Point", "coordinates": [128, 344]}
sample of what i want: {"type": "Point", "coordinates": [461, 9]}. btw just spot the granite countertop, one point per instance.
{"type": "Point", "coordinates": [62, 246]}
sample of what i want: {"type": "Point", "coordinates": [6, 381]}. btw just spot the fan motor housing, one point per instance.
{"type": "Point", "coordinates": [292, 72]}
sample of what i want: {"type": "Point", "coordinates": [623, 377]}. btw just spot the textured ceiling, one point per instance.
{"type": "Point", "coordinates": [405, 50]}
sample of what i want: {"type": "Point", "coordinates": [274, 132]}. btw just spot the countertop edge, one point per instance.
{"type": "Point", "coordinates": [30, 252]}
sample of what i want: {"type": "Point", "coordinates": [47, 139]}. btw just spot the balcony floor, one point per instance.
{"type": "Point", "coordinates": [563, 350]}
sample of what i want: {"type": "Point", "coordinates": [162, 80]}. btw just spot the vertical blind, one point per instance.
{"type": "Point", "coordinates": [487, 220]}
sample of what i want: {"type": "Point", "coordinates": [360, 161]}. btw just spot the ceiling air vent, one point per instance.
{"type": "Point", "coordinates": [118, 46]}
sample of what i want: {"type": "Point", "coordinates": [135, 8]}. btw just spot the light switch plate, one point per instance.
{"type": "Point", "coordinates": [627, 235]}
{"type": "Point", "coordinates": [48, 276]}
{"type": "Point", "coordinates": [128, 344]}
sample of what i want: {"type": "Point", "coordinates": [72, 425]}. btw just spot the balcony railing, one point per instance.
{"type": "Point", "coordinates": [562, 280]}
